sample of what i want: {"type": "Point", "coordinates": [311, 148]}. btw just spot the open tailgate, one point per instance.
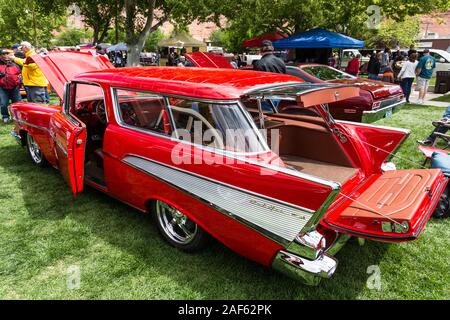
{"type": "Point", "coordinates": [393, 206]}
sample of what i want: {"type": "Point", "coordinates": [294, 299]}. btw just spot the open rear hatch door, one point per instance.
{"type": "Point", "coordinates": [61, 67]}
{"type": "Point", "coordinates": [394, 206]}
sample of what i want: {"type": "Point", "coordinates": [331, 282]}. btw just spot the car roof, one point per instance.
{"type": "Point", "coordinates": [214, 84]}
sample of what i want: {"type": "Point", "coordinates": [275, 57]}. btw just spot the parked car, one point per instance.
{"type": "Point", "coordinates": [376, 99]}
{"type": "Point", "coordinates": [127, 132]}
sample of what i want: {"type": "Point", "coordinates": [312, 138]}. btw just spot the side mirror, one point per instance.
{"type": "Point", "coordinates": [442, 60]}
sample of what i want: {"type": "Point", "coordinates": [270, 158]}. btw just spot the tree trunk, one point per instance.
{"type": "Point", "coordinates": [95, 35]}
{"type": "Point", "coordinates": [134, 51]}
{"type": "Point", "coordinates": [136, 40]}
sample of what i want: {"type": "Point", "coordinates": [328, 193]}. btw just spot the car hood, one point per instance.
{"type": "Point", "coordinates": [378, 89]}
{"type": "Point", "coordinates": [208, 60]}
{"type": "Point", "coordinates": [61, 67]}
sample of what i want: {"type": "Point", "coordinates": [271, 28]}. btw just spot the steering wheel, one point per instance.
{"type": "Point", "coordinates": [100, 111]}
{"type": "Point", "coordinates": [128, 114]}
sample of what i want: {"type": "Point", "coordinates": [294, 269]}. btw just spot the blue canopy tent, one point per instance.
{"type": "Point", "coordinates": [316, 45]}
{"type": "Point", "coordinates": [318, 38]}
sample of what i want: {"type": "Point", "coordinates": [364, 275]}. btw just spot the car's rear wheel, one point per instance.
{"type": "Point", "coordinates": [177, 229]}
{"type": "Point", "coordinates": [35, 152]}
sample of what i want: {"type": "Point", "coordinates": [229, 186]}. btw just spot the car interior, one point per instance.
{"type": "Point", "coordinates": [92, 114]}
{"type": "Point", "coordinates": [304, 141]}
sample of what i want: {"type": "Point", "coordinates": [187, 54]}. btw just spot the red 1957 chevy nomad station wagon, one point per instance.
{"type": "Point", "coordinates": [194, 148]}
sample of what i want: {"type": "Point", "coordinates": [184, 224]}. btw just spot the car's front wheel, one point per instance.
{"type": "Point", "coordinates": [35, 152]}
{"type": "Point", "coordinates": [177, 229]}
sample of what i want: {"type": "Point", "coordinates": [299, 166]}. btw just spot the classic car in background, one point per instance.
{"type": "Point", "coordinates": [376, 100]}
{"type": "Point", "coordinates": [291, 206]}
{"type": "Point", "coordinates": [209, 60]}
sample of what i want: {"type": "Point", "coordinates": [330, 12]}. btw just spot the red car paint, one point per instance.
{"type": "Point", "coordinates": [209, 60]}
{"type": "Point", "coordinates": [62, 139]}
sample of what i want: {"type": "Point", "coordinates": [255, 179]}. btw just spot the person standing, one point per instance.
{"type": "Point", "coordinates": [33, 79]}
{"type": "Point", "coordinates": [407, 75]}
{"type": "Point", "coordinates": [374, 66]}
{"type": "Point", "coordinates": [269, 62]}
{"type": "Point", "coordinates": [332, 60]}
{"type": "Point", "coordinates": [354, 65]}
{"type": "Point", "coordinates": [424, 72]}
{"type": "Point", "coordinates": [386, 58]}
{"type": "Point", "coordinates": [411, 50]}
{"type": "Point", "coordinates": [9, 83]}
{"type": "Point", "coordinates": [17, 52]}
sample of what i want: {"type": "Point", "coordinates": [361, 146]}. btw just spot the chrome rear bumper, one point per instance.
{"type": "Point", "coordinates": [374, 115]}
{"type": "Point", "coordinates": [308, 271]}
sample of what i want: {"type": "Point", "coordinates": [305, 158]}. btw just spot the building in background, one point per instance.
{"type": "Point", "coordinates": [435, 31]}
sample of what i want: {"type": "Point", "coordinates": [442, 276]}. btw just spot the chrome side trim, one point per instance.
{"type": "Point", "coordinates": [312, 224]}
{"type": "Point", "coordinates": [307, 271]}
{"type": "Point", "coordinates": [277, 220]}
{"type": "Point", "coordinates": [31, 125]}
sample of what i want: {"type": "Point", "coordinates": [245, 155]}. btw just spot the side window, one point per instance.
{"type": "Point", "coordinates": [219, 126]}
{"type": "Point", "coordinates": [86, 100]}
{"type": "Point", "coordinates": [141, 110]}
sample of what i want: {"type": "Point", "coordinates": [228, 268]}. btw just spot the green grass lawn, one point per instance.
{"type": "Point", "coordinates": [444, 98]}
{"type": "Point", "coordinates": [44, 231]}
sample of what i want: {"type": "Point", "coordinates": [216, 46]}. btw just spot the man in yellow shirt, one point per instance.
{"type": "Point", "coordinates": [33, 79]}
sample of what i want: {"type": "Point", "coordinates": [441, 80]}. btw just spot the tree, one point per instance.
{"type": "Point", "coordinates": [151, 45]}
{"type": "Point", "coordinates": [392, 33]}
{"type": "Point", "coordinates": [143, 17]}
{"type": "Point", "coordinates": [99, 15]}
{"type": "Point", "coordinates": [72, 37]}
{"type": "Point", "coordinates": [248, 18]}
{"type": "Point", "coordinates": [29, 20]}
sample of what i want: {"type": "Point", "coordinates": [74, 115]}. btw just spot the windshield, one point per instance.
{"type": "Point", "coordinates": [326, 73]}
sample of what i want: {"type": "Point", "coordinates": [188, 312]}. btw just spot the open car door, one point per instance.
{"type": "Point", "coordinates": [70, 144]}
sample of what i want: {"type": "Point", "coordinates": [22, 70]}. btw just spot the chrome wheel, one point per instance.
{"type": "Point", "coordinates": [175, 225]}
{"type": "Point", "coordinates": [34, 150]}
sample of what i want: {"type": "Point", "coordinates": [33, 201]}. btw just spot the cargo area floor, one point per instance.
{"type": "Point", "coordinates": [320, 169]}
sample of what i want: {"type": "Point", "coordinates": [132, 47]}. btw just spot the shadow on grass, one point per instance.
{"type": "Point", "coordinates": [215, 273]}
